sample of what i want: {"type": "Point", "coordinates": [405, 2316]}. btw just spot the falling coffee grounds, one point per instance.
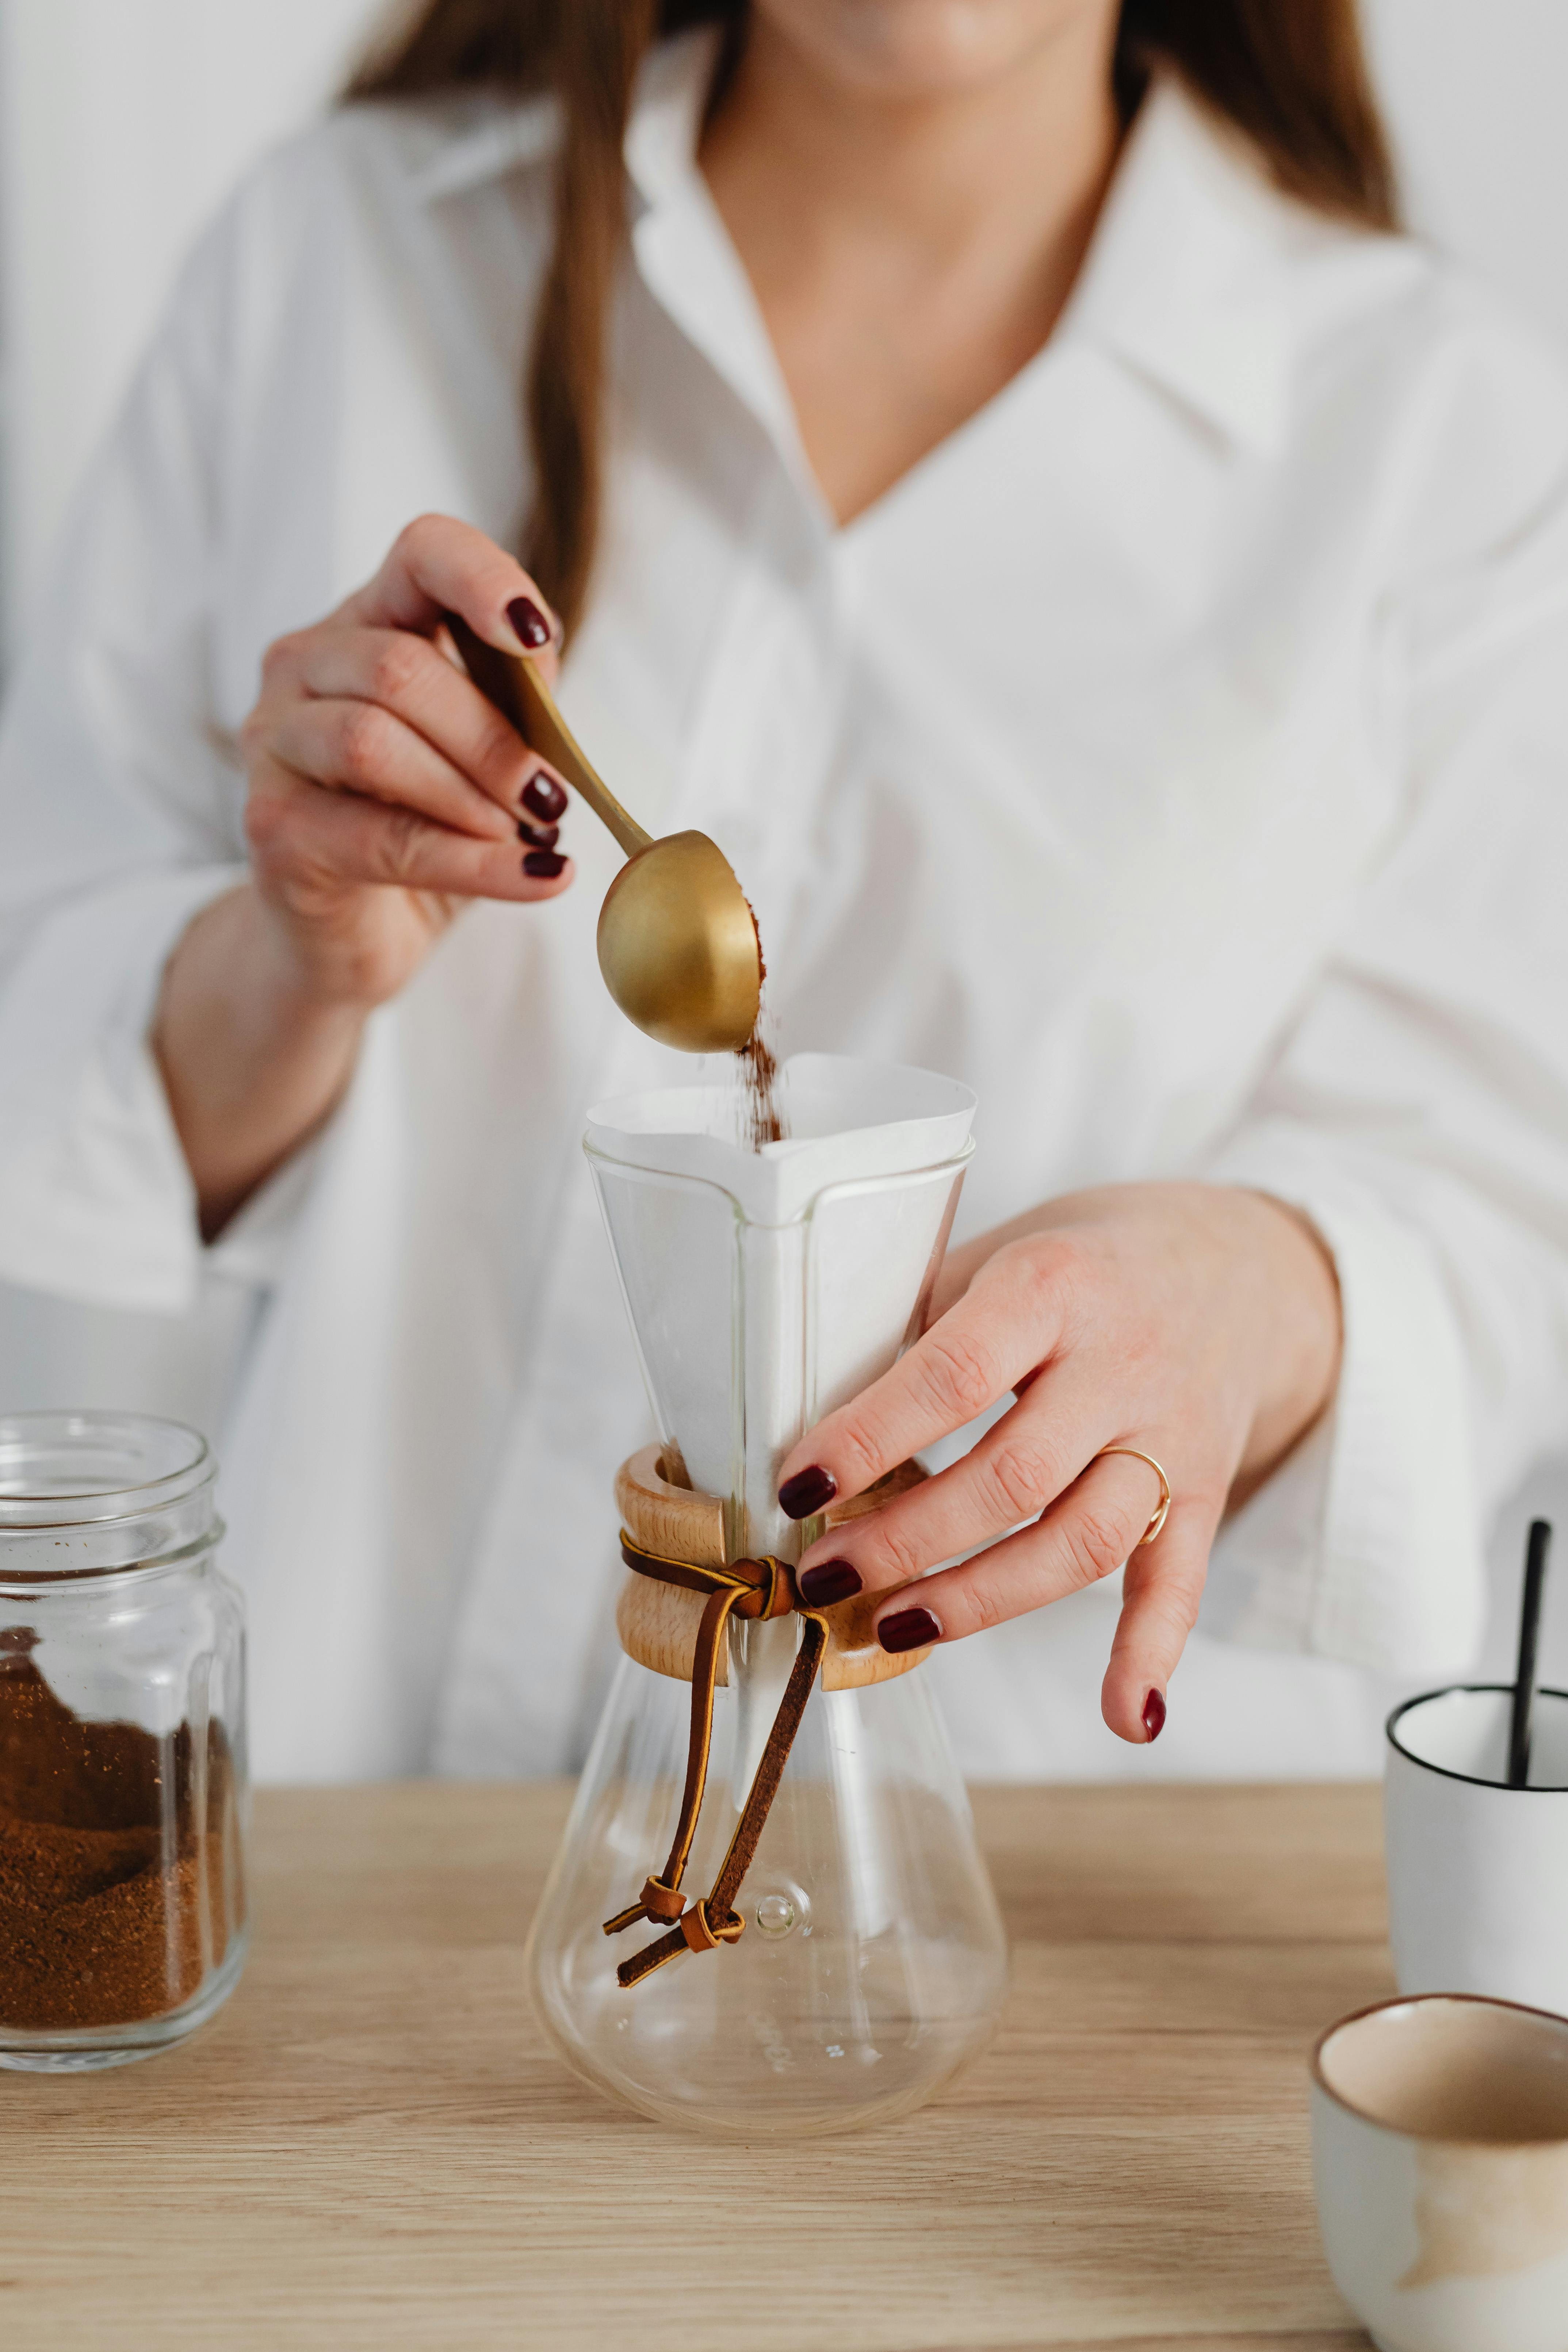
{"type": "Point", "coordinates": [111, 1910]}
{"type": "Point", "coordinates": [761, 1118]}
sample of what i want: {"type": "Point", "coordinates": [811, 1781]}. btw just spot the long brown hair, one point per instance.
{"type": "Point", "coordinates": [1290, 75]}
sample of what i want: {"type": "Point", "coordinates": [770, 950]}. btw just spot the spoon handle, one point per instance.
{"type": "Point", "coordinates": [513, 683]}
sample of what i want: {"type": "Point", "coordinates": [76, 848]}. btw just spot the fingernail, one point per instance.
{"type": "Point", "coordinates": [543, 797]}
{"type": "Point", "coordinates": [1153, 1716]}
{"type": "Point", "coordinates": [829, 1581]}
{"type": "Point", "coordinates": [532, 628]}
{"type": "Point", "coordinates": [538, 837]}
{"type": "Point", "coordinates": [909, 1628]}
{"type": "Point", "coordinates": [544, 864]}
{"type": "Point", "coordinates": [808, 1492]}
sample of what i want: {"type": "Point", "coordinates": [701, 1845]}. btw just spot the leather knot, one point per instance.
{"type": "Point", "coordinates": [703, 1931]}
{"type": "Point", "coordinates": [767, 1589]}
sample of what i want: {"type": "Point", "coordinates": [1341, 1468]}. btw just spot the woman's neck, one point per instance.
{"type": "Point", "coordinates": [911, 253]}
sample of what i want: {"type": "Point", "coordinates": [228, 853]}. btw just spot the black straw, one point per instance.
{"type": "Point", "coordinates": [1529, 1641]}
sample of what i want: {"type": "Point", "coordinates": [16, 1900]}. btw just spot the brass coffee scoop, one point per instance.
{"type": "Point", "coordinates": [677, 942]}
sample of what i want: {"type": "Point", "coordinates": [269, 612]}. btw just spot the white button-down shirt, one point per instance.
{"type": "Point", "coordinates": [1177, 754]}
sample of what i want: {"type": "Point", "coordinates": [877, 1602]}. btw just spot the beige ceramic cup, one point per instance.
{"type": "Point", "coordinates": [1440, 2160]}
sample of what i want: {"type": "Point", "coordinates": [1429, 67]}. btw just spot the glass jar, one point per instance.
{"type": "Point", "coordinates": [124, 1792]}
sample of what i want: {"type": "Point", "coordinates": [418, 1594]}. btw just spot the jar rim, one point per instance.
{"type": "Point", "coordinates": [176, 1457]}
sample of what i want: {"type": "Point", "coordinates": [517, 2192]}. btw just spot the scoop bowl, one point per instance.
{"type": "Point", "coordinates": [677, 942]}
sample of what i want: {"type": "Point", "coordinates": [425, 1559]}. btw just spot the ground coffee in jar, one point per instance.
{"type": "Point", "coordinates": [123, 1787]}
{"type": "Point", "coordinates": [103, 1875]}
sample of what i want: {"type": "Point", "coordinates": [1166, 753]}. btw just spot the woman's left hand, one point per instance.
{"type": "Point", "coordinates": [1197, 1323]}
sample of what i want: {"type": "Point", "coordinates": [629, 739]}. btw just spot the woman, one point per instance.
{"type": "Point", "coordinates": [992, 464]}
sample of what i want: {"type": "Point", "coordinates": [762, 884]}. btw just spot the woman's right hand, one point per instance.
{"type": "Point", "coordinates": [384, 790]}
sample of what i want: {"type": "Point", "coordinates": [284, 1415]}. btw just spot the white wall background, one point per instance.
{"type": "Point", "coordinates": [122, 122]}
{"type": "Point", "coordinates": [1474, 90]}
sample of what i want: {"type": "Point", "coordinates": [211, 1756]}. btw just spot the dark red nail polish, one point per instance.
{"type": "Point", "coordinates": [529, 622]}
{"type": "Point", "coordinates": [543, 797]}
{"type": "Point", "coordinates": [808, 1492]}
{"type": "Point", "coordinates": [544, 864]}
{"type": "Point", "coordinates": [909, 1628]}
{"type": "Point", "coordinates": [829, 1581]}
{"type": "Point", "coordinates": [538, 837]}
{"type": "Point", "coordinates": [1153, 1716]}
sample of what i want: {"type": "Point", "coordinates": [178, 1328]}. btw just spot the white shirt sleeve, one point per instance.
{"type": "Point", "coordinates": [121, 815]}
{"type": "Point", "coordinates": [1417, 1112]}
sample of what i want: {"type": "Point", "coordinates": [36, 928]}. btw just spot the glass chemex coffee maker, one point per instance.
{"type": "Point", "coordinates": [768, 1914]}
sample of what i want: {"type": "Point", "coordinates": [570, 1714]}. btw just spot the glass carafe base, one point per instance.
{"type": "Point", "coordinates": [872, 1964]}
{"type": "Point", "coordinates": [775, 2074]}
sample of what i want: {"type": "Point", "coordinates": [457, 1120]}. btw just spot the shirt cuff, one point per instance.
{"type": "Point", "coordinates": [96, 1200]}
{"type": "Point", "coordinates": [1367, 1544]}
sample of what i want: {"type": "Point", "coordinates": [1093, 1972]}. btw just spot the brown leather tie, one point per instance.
{"type": "Point", "coordinates": [742, 1588]}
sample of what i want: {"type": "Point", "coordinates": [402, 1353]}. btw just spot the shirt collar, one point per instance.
{"type": "Point", "coordinates": [479, 140]}
{"type": "Point", "coordinates": [476, 139]}
{"type": "Point", "coordinates": [667, 116]}
{"type": "Point", "coordinates": [682, 248]}
{"type": "Point", "coordinates": [1184, 281]}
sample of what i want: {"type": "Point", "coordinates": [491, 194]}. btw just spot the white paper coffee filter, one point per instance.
{"type": "Point", "coordinates": [766, 1288]}
{"type": "Point", "coordinates": [847, 1118]}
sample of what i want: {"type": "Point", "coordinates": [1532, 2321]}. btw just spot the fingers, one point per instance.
{"type": "Point", "coordinates": [305, 835]}
{"type": "Point", "coordinates": [1160, 1597]}
{"type": "Point", "coordinates": [1006, 1325]}
{"type": "Point", "coordinates": [1032, 1455]}
{"type": "Point", "coordinates": [358, 747]}
{"type": "Point", "coordinates": [366, 704]}
{"type": "Point", "coordinates": [406, 676]}
{"type": "Point", "coordinates": [1086, 1535]}
{"type": "Point", "coordinates": [438, 565]}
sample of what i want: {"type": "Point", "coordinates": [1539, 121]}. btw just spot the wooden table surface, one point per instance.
{"type": "Point", "coordinates": [372, 2146]}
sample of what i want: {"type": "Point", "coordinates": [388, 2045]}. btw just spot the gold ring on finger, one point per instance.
{"type": "Point", "coordinates": [1158, 1521]}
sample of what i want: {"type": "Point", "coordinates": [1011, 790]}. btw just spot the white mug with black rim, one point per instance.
{"type": "Point", "coordinates": [1478, 1870]}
